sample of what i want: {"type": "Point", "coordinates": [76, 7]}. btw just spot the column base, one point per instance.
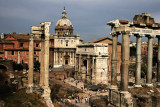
{"type": "Point", "coordinates": [158, 84]}
{"type": "Point", "coordinates": [46, 96]}
{"type": "Point", "coordinates": [46, 91]}
{"type": "Point", "coordinates": [29, 88]}
{"type": "Point", "coordinates": [137, 86]}
{"type": "Point", "coordinates": [114, 87]}
{"type": "Point", "coordinates": [149, 85]}
{"type": "Point", "coordinates": [126, 99]}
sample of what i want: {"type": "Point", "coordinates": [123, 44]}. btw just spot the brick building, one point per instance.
{"type": "Point", "coordinates": [16, 47]}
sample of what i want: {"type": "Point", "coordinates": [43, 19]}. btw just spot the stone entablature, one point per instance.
{"type": "Point", "coordinates": [92, 63]}
{"type": "Point", "coordinates": [68, 41]}
{"type": "Point", "coordinates": [93, 49]}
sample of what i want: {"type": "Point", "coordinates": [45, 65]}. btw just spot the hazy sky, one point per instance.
{"type": "Point", "coordinates": [89, 17]}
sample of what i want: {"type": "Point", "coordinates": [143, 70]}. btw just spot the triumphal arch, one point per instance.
{"type": "Point", "coordinates": [143, 25]}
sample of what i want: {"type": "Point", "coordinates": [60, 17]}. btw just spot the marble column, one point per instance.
{"type": "Point", "coordinates": [31, 65]}
{"type": "Point", "coordinates": [42, 61]}
{"type": "Point", "coordinates": [149, 62]}
{"type": "Point", "coordinates": [158, 64]}
{"type": "Point", "coordinates": [54, 58]}
{"type": "Point", "coordinates": [19, 57]}
{"type": "Point", "coordinates": [46, 61]}
{"type": "Point", "coordinates": [125, 60]}
{"type": "Point", "coordinates": [114, 62]}
{"type": "Point", "coordinates": [138, 62]}
{"type": "Point", "coordinates": [87, 72]}
{"type": "Point", "coordinates": [93, 71]}
{"type": "Point", "coordinates": [79, 69]}
{"type": "Point", "coordinates": [46, 55]}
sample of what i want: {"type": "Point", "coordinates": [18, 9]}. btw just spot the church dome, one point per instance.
{"type": "Point", "coordinates": [63, 25]}
{"type": "Point", "coordinates": [64, 22]}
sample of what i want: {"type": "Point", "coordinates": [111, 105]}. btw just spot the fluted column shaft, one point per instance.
{"type": "Point", "coordinates": [138, 61]}
{"type": "Point", "coordinates": [114, 61]}
{"type": "Point", "coordinates": [125, 61]}
{"type": "Point", "coordinates": [149, 60]}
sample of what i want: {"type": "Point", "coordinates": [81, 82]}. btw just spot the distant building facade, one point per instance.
{"type": "Point", "coordinates": [65, 42]}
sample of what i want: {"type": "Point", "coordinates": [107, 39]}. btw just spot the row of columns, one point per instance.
{"type": "Point", "coordinates": [125, 61]}
{"type": "Point", "coordinates": [58, 61]}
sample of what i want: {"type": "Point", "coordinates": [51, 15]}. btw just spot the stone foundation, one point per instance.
{"type": "Point", "coordinates": [120, 98]}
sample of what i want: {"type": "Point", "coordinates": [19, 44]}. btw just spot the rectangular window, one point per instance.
{"type": "Point", "coordinates": [35, 52]}
{"type": "Point", "coordinates": [12, 52]}
{"type": "Point", "coordinates": [21, 44]}
{"type": "Point", "coordinates": [66, 43]}
{"type": "Point", "coordinates": [36, 44]}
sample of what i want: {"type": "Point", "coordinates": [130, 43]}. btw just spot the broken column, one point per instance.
{"type": "Point", "coordinates": [114, 62]}
{"type": "Point", "coordinates": [31, 57]}
{"type": "Point", "coordinates": [149, 62]}
{"type": "Point", "coordinates": [138, 61]}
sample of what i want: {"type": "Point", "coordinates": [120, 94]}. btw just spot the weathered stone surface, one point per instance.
{"type": "Point", "coordinates": [93, 62]}
{"type": "Point", "coordinates": [144, 18]}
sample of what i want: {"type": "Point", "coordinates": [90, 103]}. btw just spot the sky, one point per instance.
{"type": "Point", "coordinates": [89, 17]}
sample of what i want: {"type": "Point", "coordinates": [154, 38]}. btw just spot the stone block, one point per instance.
{"type": "Point", "coordinates": [156, 101]}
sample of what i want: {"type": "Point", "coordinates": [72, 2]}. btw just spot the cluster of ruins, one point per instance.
{"type": "Point", "coordinates": [91, 60]}
{"type": "Point", "coordinates": [142, 25]}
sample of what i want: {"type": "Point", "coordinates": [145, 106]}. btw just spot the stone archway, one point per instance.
{"type": "Point", "coordinates": [6, 65]}
{"type": "Point", "coordinates": [3, 68]}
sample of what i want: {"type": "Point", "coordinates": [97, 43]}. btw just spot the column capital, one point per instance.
{"type": "Point", "coordinates": [126, 33]}
{"type": "Point", "coordinates": [150, 36]}
{"type": "Point", "coordinates": [114, 33]}
{"type": "Point", "coordinates": [138, 35]}
{"type": "Point", "coordinates": [158, 36]}
{"type": "Point", "coordinates": [31, 36]}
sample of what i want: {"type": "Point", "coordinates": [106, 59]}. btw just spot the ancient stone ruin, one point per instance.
{"type": "Point", "coordinates": [142, 25]}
